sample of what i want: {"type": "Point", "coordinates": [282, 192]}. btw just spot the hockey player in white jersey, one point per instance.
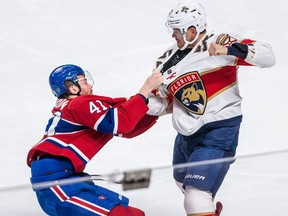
{"type": "Point", "coordinates": [201, 85]}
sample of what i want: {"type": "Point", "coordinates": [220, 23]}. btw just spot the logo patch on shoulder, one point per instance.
{"type": "Point", "coordinates": [225, 40]}
{"type": "Point", "coordinates": [189, 91]}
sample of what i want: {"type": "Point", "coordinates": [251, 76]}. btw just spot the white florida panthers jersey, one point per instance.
{"type": "Point", "coordinates": [204, 88]}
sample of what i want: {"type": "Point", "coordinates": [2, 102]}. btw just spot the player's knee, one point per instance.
{"type": "Point", "coordinates": [180, 186]}
{"type": "Point", "coordinates": [197, 201]}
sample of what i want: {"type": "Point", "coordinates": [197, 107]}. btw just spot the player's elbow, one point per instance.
{"type": "Point", "coordinates": [267, 62]}
{"type": "Point", "coordinates": [126, 127]}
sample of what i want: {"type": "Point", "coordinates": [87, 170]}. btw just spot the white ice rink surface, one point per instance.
{"type": "Point", "coordinates": [118, 41]}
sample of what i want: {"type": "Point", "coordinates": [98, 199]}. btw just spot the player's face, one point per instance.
{"type": "Point", "coordinates": [86, 87]}
{"type": "Point", "coordinates": [178, 36]}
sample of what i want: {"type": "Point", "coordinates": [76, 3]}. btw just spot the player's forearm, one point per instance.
{"type": "Point", "coordinates": [257, 54]}
{"type": "Point", "coordinates": [145, 90]}
{"type": "Point", "coordinates": [130, 113]}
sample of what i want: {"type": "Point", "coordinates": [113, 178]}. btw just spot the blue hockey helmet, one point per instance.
{"type": "Point", "coordinates": [61, 74]}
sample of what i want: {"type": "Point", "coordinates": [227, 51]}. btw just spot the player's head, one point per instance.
{"type": "Point", "coordinates": [186, 15]}
{"type": "Point", "coordinates": [70, 79]}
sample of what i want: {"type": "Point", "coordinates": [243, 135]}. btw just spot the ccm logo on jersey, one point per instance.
{"type": "Point", "coordinates": [189, 91]}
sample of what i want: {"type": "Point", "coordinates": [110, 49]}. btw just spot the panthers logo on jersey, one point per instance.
{"type": "Point", "coordinates": [189, 91]}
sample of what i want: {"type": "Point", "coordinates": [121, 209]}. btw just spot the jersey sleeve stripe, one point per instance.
{"type": "Point", "coordinates": [115, 130]}
{"type": "Point", "coordinates": [98, 122]}
{"type": "Point", "coordinates": [108, 122]}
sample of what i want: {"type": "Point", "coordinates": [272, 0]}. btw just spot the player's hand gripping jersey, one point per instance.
{"type": "Point", "coordinates": [204, 88]}
{"type": "Point", "coordinates": [71, 135]}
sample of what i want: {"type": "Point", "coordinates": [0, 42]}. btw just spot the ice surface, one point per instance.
{"type": "Point", "coordinates": [118, 41]}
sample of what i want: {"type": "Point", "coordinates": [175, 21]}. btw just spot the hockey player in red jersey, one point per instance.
{"type": "Point", "coordinates": [200, 83]}
{"type": "Point", "coordinates": [82, 123]}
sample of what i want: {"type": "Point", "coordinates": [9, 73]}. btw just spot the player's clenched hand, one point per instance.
{"type": "Point", "coordinates": [217, 49]}
{"type": "Point", "coordinates": [151, 83]}
{"type": "Point", "coordinates": [154, 80]}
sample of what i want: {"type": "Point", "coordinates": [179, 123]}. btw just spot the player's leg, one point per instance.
{"type": "Point", "coordinates": [198, 202]}
{"type": "Point", "coordinates": [180, 186]}
{"type": "Point", "coordinates": [202, 202]}
{"type": "Point", "coordinates": [45, 170]}
{"type": "Point", "coordinates": [93, 200]}
{"type": "Point", "coordinates": [87, 205]}
{"type": "Point", "coordinates": [195, 196]}
{"type": "Point", "coordinates": [180, 156]}
{"type": "Point", "coordinates": [125, 211]}
{"type": "Point", "coordinates": [68, 208]}
{"type": "Point", "coordinates": [136, 211]}
{"type": "Point", "coordinates": [206, 179]}
{"type": "Point", "coordinates": [83, 198]}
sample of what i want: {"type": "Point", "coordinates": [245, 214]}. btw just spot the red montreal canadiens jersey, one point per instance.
{"type": "Point", "coordinates": [80, 127]}
{"type": "Point", "coordinates": [205, 88]}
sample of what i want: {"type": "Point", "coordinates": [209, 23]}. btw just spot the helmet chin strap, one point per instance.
{"type": "Point", "coordinates": [187, 43]}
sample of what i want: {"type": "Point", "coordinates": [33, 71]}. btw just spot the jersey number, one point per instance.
{"type": "Point", "coordinates": [97, 108]}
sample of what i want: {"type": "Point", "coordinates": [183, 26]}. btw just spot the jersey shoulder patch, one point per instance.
{"type": "Point", "coordinates": [225, 40]}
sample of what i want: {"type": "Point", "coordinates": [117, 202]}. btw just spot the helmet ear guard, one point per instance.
{"type": "Point", "coordinates": [64, 76]}
{"type": "Point", "coordinates": [68, 84]}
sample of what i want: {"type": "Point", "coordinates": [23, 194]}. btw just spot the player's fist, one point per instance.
{"type": "Point", "coordinates": [217, 49]}
{"type": "Point", "coordinates": [154, 80]}
{"type": "Point", "coordinates": [151, 83]}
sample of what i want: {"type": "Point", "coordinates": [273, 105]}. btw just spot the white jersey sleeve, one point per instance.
{"type": "Point", "coordinates": [157, 106]}
{"type": "Point", "coordinates": [261, 55]}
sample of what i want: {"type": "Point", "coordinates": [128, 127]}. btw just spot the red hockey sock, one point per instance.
{"type": "Point", "coordinates": [219, 208]}
{"type": "Point", "coordinates": [125, 211]}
